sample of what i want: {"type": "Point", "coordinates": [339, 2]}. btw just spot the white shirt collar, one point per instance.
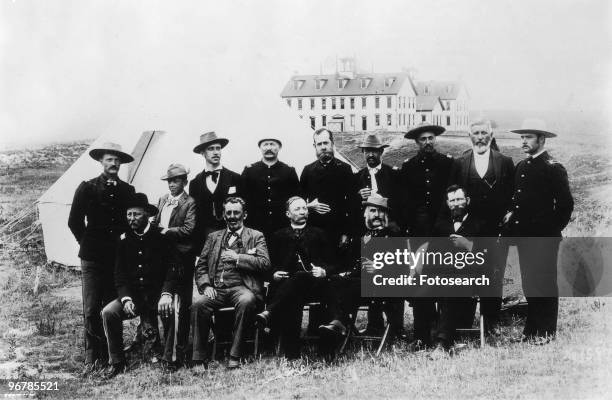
{"type": "Point", "coordinates": [238, 232]}
{"type": "Point", "coordinates": [220, 167]}
{"type": "Point", "coordinates": [146, 229]}
{"type": "Point", "coordinates": [375, 169]}
{"type": "Point", "coordinates": [177, 197]}
{"type": "Point", "coordinates": [483, 155]}
{"type": "Point", "coordinates": [538, 153]}
{"type": "Point", "coordinates": [294, 226]}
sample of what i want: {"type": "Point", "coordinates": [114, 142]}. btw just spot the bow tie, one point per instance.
{"type": "Point", "coordinates": [214, 174]}
{"type": "Point", "coordinates": [111, 182]}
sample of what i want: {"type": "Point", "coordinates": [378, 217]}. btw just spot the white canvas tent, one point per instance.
{"type": "Point", "coordinates": [155, 150]}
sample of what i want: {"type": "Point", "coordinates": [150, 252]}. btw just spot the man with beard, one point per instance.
{"type": "Point", "coordinates": [487, 175]}
{"type": "Point", "coordinates": [379, 179]}
{"type": "Point", "coordinates": [301, 260]}
{"type": "Point", "coordinates": [229, 273]}
{"type": "Point", "coordinates": [328, 186]}
{"type": "Point", "coordinates": [211, 187]}
{"type": "Point", "coordinates": [97, 218]}
{"type": "Point", "coordinates": [541, 208]}
{"type": "Point", "coordinates": [145, 278]}
{"type": "Point", "coordinates": [267, 186]}
{"type": "Point", "coordinates": [423, 179]}
{"type": "Point", "coordinates": [458, 228]}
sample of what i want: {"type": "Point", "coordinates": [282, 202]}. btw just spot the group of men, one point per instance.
{"type": "Point", "coordinates": [305, 236]}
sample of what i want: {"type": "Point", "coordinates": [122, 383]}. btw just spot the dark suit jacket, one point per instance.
{"type": "Point", "coordinates": [312, 246]}
{"type": "Point", "coordinates": [253, 265]}
{"type": "Point", "coordinates": [387, 180]}
{"type": "Point", "coordinates": [209, 206]}
{"type": "Point", "coordinates": [182, 222]}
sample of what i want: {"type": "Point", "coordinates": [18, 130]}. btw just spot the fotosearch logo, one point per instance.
{"type": "Point", "coordinates": [399, 257]}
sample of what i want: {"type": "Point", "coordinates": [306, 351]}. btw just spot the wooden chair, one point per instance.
{"type": "Point", "coordinates": [353, 332]}
{"type": "Point", "coordinates": [218, 333]}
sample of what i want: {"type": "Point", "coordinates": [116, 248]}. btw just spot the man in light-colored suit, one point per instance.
{"type": "Point", "coordinates": [230, 272]}
{"type": "Point", "coordinates": [177, 219]}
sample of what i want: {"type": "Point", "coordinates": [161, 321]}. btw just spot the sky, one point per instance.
{"type": "Point", "coordinates": [77, 69]}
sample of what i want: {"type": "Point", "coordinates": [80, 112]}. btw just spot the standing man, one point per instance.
{"type": "Point", "coordinates": [542, 205]}
{"type": "Point", "coordinates": [229, 273]}
{"type": "Point", "coordinates": [176, 220]}
{"type": "Point", "coordinates": [211, 187]}
{"type": "Point", "coordinates": [488, 176]}
{"type": "Point", "coordinates": [145, 278]}
{"type": "Point", "coordinates": [328, 187]}
{"type": "Point", "coordinates": [423, 179]}
{"type": "Point", "coordinates": [267, 186]}
{"type": "Point", "coordinates": [97, 219]}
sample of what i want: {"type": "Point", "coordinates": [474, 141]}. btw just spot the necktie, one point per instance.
{"type": "Point", "coordinates": [231, 238]}
{"type": "Point", "coordinates": [214, 174]}
{"type": "Point", "coordinates": [373, 183]}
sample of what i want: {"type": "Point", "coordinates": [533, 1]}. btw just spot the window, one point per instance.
{"type": "Point", "coordinates": [299, 104]}
{"type": "Point", "coordinates": [364, 123]}
{"type": "Point", "coordinates": [319, 83]}
{"type": "Point", "coordinates": [342, 103]}
{"type": "Point", "coordinates": [377, 119]}
{"type": "Point", "coordinates": [365, 82]}
{"type": "Point", "coordinates": [313, 121]}
{"type": "Point", "coordinates": [333, 103]}
{"type": "Point", "coordinates": [289, 102]}
{"type": "Point", "coordinates": [423, 118]}
{"type": "Point", "coordinates": [389, 102]}
{"type": "Point", "coordinates": [352, 120]}
{"type": "Point", "coordinates": [447, 105]}
{"type": "Point", "coordinates": [364, 102]}
{"type": "Point", "coordinates": [377, 102]}
{"type": "Point", "coordinates": [389, 82]}
{"type": "Point", "coordinates": [312, 104]}
{"type": "Point", "coordinates": [352, 103]}
{"type": "Point", "coordinates": [324, 120]}
{"type": "Point", "coordinates": [323, 103]}
{"type": "Point", "coordinates": [297, 84]}
{"type": "Point", "coordinates": [448, 120]}
{"type": "Point", "coordinates": [388, 119]}
{"type": "Point", "coordinates": [342, 83]}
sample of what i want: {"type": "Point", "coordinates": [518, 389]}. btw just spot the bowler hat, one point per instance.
{"type": "Point", "coordinates": [372, 142]}
{"type": "Point", "coordinates": [110, 148]}
{"type": "Point", "coordinates": [207, 139]}
{"type": "Point", "coordinates": [425, 127]}
{"type": "Point", "coordinates": [175, 170]}
{"type": "Point", "coordinates": [141, 200]}
{"type": "Point", "coordinates": [536, 126]}
{"type": "Point", "coordinates": [377, 201]}
{"type": "Point", "coordinates": [273, 139]}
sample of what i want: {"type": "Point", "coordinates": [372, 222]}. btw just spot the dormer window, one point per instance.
{"type": "Point", "coordinates": [426, 90]}
{"type": "Point", "coordinates": [342, 83]}
{"type": "Point", "coordinates": [365, 82]}
{"type": "Point", "coordinates": [297, 84]}
{"type": "Point", "coordinates": [389, 82]}
{"type": "Point", "coordinates": [319, 83]}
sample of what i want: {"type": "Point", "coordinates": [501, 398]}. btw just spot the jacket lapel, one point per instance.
{"type": "Point", "coordinates": [181, 202]}
{"type": "Point", "coordinates": [467, 160]}
{"type": "Point", "coordinates": [495, 159]}
{"type": "Point", "coordinates": [222, 183]}
{"type": "Point", "coordinates": [216, 252]}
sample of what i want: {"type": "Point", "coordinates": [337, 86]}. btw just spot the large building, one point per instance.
{"type": "Point", "coordinates": [348, 101]}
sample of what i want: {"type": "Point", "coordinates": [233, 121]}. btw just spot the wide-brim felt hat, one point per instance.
{"type": "Point", "coordinates": [535, 126]}
{"type": "Point", "coordinates": [414, 133]}
{"type": "Point", "coordinates": [377, 201]}
{"type": "Point", "coordinates": [110, 148]}
{"type": "Point", "coordinates": [372, 141]}
{"type": "Point", "coordinates": [208, 138]}
{"type": "Point", "coordinates": [273, 139]}
{"type": "Point", "coordinates": [175, 170]}
{"type": "Point", "coordinates": [141, 200]}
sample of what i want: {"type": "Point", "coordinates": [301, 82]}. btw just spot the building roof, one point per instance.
{"type": "Point", "coordinates": [427, 103]}
{"type": "Point", "coordinates": [352, 87]}
{"type": "Point", "coordinates": [446, 90]}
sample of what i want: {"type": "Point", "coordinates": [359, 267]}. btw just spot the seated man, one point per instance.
{"type": "Point", "coordinates": [301, 257]}
{"type": "Point", "coordinates": [145, 278]}
{"type": "Point", "coordinates": [229, 273]}
{"type": "Point", "coordinates": [346, 287]}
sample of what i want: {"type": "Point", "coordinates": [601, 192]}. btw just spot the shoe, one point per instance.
{"type": "Point", "coordinates": [334, 328]}
{"type": "Point", "coordinates": [536, 340]}
{"type": "Point", "coordinates": [233, 363]}
{"type": "Point", "coordinates": [114, 370]}
{"type": "Point", "coordinates": [262, 319]}
{"type": "Point", "coordinates": [439, 352]}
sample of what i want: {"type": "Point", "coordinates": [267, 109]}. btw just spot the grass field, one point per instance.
{"type": "Point", "coordinates": [40, 334]}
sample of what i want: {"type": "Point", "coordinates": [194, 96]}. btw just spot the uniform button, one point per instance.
{"type": "Point", "coordinates": [528, 162]}
{"type": "Point", "coordinates": [516, 222]}
{"type": "Point", "coordinates": [268, 176]}
{"type": "Point", "coordinates": [268, 187]}
{"type": "Point", "coordinates": [428, 203]}
{"type": "Point", "coordinates": [427, 181]}
{"type": "Point", "coordinates": [522, 175]}
{"type": "Point", "coordinates": [428, 193]}
{"type": "Point", "coordinates": [112, 195]}
{"type": "Point", "coordinates": [519, 190]}
{"type": "Point", "coordinates": [141, 279]}
{"type": "Point", "coordinates": [140, 252]}
{"type": "Point", "coordinates": [269, 200]}
{"type": "Point", "coordinates": [140, 266]}
{"type": "Point", "coordinates": [426, 169]}
{"type": "Point", "coordinates": [422, 161]}
{"type": "Point", "coordinates": [270, 213]}
{"type": "Point", "coordinates": [516, 206]}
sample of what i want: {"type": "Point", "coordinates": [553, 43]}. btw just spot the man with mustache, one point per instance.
{"type": "Point", "coordinates": [328, 185]}
{"type": "Point", "coordinates": [541, 208]}
{"type": "Point", "coordinates": [229, 273]}
{"type": "Point", "coordinates": [423, 179]}
{"type": "Point", "coordinates": [302, 262]}
{"type": "Point", "coordinates": [146, 267]}
{"type": "Point", "coordinates": [97, 219]}
{"type": "Point", "coordinates": [211, 187]}
{"type": "Point", "coordinates": [267, 186]}
{"type": "Point", "coordinates": [488, 176]}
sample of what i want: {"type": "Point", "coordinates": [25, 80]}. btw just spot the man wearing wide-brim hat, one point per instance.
{"type": "Point", "coordinates": [541, 208]}
{"type": "Point", "coordinates": [97, 219]}
{"type": "Point", "coordinates": [146, 269]}
{"type": "Point", "coordinates": [423, 179]}
{"type": "Point", "coordinates": [268, 184]}
{"type": "Point", "coordinates": [211, 187]}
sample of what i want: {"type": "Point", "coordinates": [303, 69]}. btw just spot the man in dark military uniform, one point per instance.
{"type": "Point", "coordinates": [267, 186]}
{"type": "Point", "coordinates": [488, 176]}
{"type": "Point", "coordinates": [328, 186]}
{"type": "Point", "coordinates": [97, 218]}
{"type": "Point", "coordinates": [145, 278]}
{"type": "Point", "coordinates": [211, 187]}
{"type": "Point", "coordinates": [542, 205]}
{"type": "Point", "coordinates": [423, 179]}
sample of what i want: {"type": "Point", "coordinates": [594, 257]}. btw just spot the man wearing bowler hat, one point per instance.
{"type": "Point", "coordinates": [146, 266]}
{"type": "Point", "coordinates": [97, 218]}
{"type": "Point", "coordinates": [541, 208]}
{"type": "Point", "coordinates": [267, 185]}
{"type": "Point", "coordinates": [211, 187]}
{"type": "Point", "coordinates": [176, 220]}
{"type": "Point", "coordinates": [423, 179]}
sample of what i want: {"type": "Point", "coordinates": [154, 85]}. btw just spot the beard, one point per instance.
{"type": "Point", "coordinates": [325, 156]}
{"type": "Point", "coordinates": [458, 212]}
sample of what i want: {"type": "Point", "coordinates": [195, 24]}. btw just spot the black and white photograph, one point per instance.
{"type": "Point", "coordinates": [291, 199]}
